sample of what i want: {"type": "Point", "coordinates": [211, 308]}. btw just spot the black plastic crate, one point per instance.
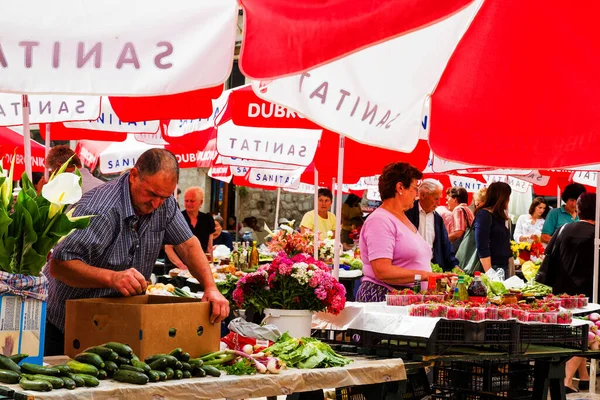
{"type": "Point", "coordinates": [573, 337]}
{"type": "Point", "coordinates": [484, 376]}
{"type": "Point", "coordinates": [457, 394]}
{"type": "Point", "coordinates": [492, 335]}
{"type": "Point", "coordinates": [348, 337]}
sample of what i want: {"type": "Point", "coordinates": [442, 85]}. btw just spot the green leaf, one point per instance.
{"type": "Point", "coordinates": [62, 225]}
{"type": "Point", "coordinates": [25, 260]}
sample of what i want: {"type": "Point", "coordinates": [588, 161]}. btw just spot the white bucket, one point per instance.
{"type": "Point", "coordinates": [297, 323]}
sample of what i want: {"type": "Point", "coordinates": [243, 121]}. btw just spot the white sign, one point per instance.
{"type": "Point", "coordinates": [180, 127]}
{"type": "Point", "coordinates": [239, 171]}
{"type": "Point", "coordinates": [121, 156]}
{"type": "Point", "coordinates": [137, 47]}
{"type": "Point", "coordinates": [285, 146]}
{"type": "Point", "coordinates": [440, 165]}
{"type": "Point", "coordinates": [365, 183]}
{"type": "Point", "coordinates": [302, 188]}
{"type": "Point", "coordinates": [241, 162]}
{"type": "Point", "coordinates": [373, 194]}
{"type": "Point", "coordinates": [471, 185]}
{"type": "Point", "coordinates": [515, 184]}
{"type": "Point", "coordinates": [276, 178]}
{"type": "Point", "coordinates": [108, 121]}
{"type": "Point", "coordinates": [354, 95]}
{"type": "Point", "coordinates": [151, 138]}
{"type": "Point", "coordinates": [536, 178]}
{"type": "Point", "coordinates": [47, 109]}
{"type": "Point", "coordinates": [585, 178]}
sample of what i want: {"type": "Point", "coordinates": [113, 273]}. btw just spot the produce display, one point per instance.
{"type": "Point", "coordinates": [305, 353]}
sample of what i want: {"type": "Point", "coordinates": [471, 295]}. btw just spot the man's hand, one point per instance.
{"type": "Point", "coordinates": [129, 282]}
{"type": "Point", "coordinates": [220, 305]}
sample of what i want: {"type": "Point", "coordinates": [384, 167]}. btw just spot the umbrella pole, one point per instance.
{"type": "Point", "coordinates": [338, 211]}
{"type": "Point", "coordinates": [277, 209]}
{"type": "Point", "coordinates": [235, 211]}
{"type": "Point", "coordinates": [557, 196]}
{"type": "Point", "coordinates": [316, 225]}
{"type": "Point", "coordinates": [26, 135]}
{"type": "Point", "coordinates": [334, 198]}
{"type": "Point", "coordinates": [46, 150]}
{"type": "Point", "coordinates": [596, 275]}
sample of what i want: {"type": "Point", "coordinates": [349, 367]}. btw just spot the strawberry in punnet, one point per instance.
{"type": "Point", "coordinates": [491, 312]}
{"type": "Point", "coordinates": [474, 313]}
{"type": "Point", "coordinates": [504, 313]}
{"type": "Point", "coordinates": [582, 301]}
{"type": "Point", "coordinates": [456, 312]}
{"type": "Point", "coordinates": [568, 302]}
{"type": "Point", "coordinates": [564, 317]}
{"type": "Point", "coordinates": [550, 317]}
{"type": "Point", "coordinates": [436, 310]}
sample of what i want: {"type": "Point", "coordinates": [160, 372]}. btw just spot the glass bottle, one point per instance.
{"type": "Point", "coordinates": [254, 255]}
{"type": "Point", "coordinates": [417, 284]}
{"type": "Point", "coordinates": [456, 296]}
{"type": "Point", "coordinates": [477, 290]}
{"type": "Point", "coordinates": [235, 256]}
{"type": "Point", "coordinates": [463, 295]}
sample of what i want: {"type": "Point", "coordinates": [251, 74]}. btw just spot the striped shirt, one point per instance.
{"type": "Point", "coordinates": [116, 239]}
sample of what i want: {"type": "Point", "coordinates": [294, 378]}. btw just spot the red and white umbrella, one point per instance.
{"type": "Point", "coordinates": [11, 139]}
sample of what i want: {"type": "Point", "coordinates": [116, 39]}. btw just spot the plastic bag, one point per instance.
{"type": "Point", "coordinates": [495, 275]}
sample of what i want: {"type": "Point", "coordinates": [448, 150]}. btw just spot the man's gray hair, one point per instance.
{"type": "Point", "coordinates": [430, 185]}
{"type": "Point", "coordinates": [156, 160]}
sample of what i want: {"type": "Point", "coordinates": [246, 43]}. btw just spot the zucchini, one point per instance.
{"type": "Point", "coordinates": [90, 358]}
{"type": "Point", "coordinates": [185, 357]}
{"type": "Point", "coordinates": [187, 374]}
{"type": "Point", "coordinates": [38, 385]}
{"type": "Point", "coordinates": [178, 374]}
{"type": "Point", "coordinates": [110, 367]}
{"type": "Point", "coordinates": [68, 383]}
{"type": "Point", "coordinates": [38, 369]}
{"type": "Point", "coordinates": [79, 382]}
{"type": "Point", "coordinates": [131, 368]}
{"type": "Point", "coordinates": [123, 361]}
{"type": "Point", "coordinates": [161, 374]}
{"type": "Point", "coordinates": [8, 376]}
{"type": "Point", "coordinates": [90, 381]}
{"type": "Point", "coordinates": [134, 357]}
{"type": "Point", "coordinates": [55, 381]}
{"type": "Point", "coordinates": [212, 371]}
{"type": "Point", "coordinates": [104, 352]}
{"type": "Point", "coordinates": [198, 372]}
{"type": "Point", "coordinates": [7, 363]}
{"type": "Point", "coordinates": [121, 349]}
{"type": "Point", "coordinates": [127, 376]}
{"type": "Point", "coordinates": [195, 362]}
{"type": "Point", "coordinates": [82, 368]}
{"type": "Point", "coordinates": [186, 366]}
{"type": "Point", "coordinates": [171, 361]}
{"type": "Point", "coordinates": [141, 364]}
{"type": "Point", "coordinates": [170, 372]}
{"type": "Point", "coordinates": [159, 364]}
{"type": "Point", "coordinates": [176, 352]}
{"type": "Point", "coordinates": [17, 358]}
{"type": "Point", "coordinates": [102, 374]}
{"type": "Point", "coordinates": [64, 370]}
{"type": "Point", "coordinates": [153, 376]}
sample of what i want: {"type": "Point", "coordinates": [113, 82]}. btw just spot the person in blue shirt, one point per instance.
{"type": "Point", "coordinates": [565, 214]}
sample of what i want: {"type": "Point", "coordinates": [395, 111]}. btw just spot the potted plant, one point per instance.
{"type": "Point", "coordinates": [289, 290]}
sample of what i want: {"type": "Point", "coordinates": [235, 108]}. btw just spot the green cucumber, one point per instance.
{"type": "Point", "coordinates": [186, 366]}
{"type": "Point", "coordinates": [68, 383]}
{"type": "Point", "coordinates": [90, 358]}
{"type": "Point", "coordinates": [159, 364]}
{"type": "Point", "coordinates": [104, 352]}
{"type": "Point", "coordinates": [64, 370]}
{"type": "Point", "coordinates": [124, 361]}
{"type": "Point", "coordinates": [102, 374]}
{"type": "Point", "coordinates": [121, 349]}
{"type": "Point", "coordinates": [90, 381]}
{"type": "Point", "coordinates": [8, 376]}
{"type": "Point", "coordinates": [170, 372]}
{"type": "Point", "coordinates": [131, 368]}
{"type": "Point", "coordinates": [110, 367]}
{"type": "Point", "coordinates": [185, 357]}
{"type": "Point", "coordinates": [38, 369]}
{"type": "Point", "coordinates": [162, 375]}
{"type": "Point", "coordinates": [176, 352]}
{"type": "Point", "coordinates": [82, 368]}
{"type": "Point", "coordinates": [134, 357]}
{"type": "Point", "coordinates": [127, 376]}
{"type": "Point", "coordinates": [171, 361]}
{"type": "Point", "coordinates": [187, 374]}
{"type": "Point", "coordinates": [79, 382]}
{"type": "Point", "coordinates": [141, 364]}
{"type": "Point", "coordinates": [38, 385]}
{"type": "Point", "coordinates": [198, 372]}
{"type": "Point", "coordinates": [212, 371]}
{"type": "Point", "coordinates": [17, 358]}
{"type": "Point", "coordinates": [153, 376]}
{"type": "Point", "coordinates": [7, 363]}
{"type": "Point", "coordinates": [55, 381]}
{"type": "Point", "coordinates": [178, 374]}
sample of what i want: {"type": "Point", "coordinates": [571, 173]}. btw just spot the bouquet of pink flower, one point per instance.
{"type": "Point", "coordinates": [296, 283]}
{"type": "Point", "coordinates": [291, 242]}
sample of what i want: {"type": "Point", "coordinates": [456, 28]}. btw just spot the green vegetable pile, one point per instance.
{"type": "Point", "coordinates": [306, 353]}
{"type": "Point", "coordinates": [537, 289]}
{"type": "Point", "coordinates": [436, 268]}
{"type": "Point", "coordinates": [241, 367]}
{"type": "Point", "coordinates": [353, 263]}
{"type": "Point", "coordinates": [227, 287]}
{"type": "Point", "coordinates": [493, 288]}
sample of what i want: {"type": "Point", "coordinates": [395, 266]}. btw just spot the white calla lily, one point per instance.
{"type": "Point", "coordinates": [63, 189]}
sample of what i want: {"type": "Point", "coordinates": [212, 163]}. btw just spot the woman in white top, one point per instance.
{"type": "Point", "coordinates": [529, 226]}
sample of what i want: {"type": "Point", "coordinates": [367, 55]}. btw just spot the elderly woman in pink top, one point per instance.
{"type": "Point", "coordinates": [391, 248]}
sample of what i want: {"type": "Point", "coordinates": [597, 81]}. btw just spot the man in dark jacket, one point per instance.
{"type": "Point", "coordinates": [431, 225]}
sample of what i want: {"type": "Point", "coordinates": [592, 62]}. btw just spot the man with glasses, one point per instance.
{"type": "Point", "coordinates": [115, 254]}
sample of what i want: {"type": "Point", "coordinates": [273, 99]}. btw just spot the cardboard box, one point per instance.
{"type": "Point", "coordinates": [22, 327]}
{"type": "Point", "coordinates": [149, 324]}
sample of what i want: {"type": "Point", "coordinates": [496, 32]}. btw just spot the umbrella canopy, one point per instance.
{"type": "Point", "coordinates": [11, 139]}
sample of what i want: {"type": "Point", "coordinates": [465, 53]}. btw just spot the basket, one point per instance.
{"type": "Point", "coordinates": [457, 394]}
{"type": "Point", "coordinates": [573, 337]}
{"type": "Point", "coordinates": [484, 376]}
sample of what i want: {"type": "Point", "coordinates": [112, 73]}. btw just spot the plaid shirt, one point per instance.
{"type": "Point", "coordinates": [112, 241]}
{"type": "Point", "coordinates": [458, 221]}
